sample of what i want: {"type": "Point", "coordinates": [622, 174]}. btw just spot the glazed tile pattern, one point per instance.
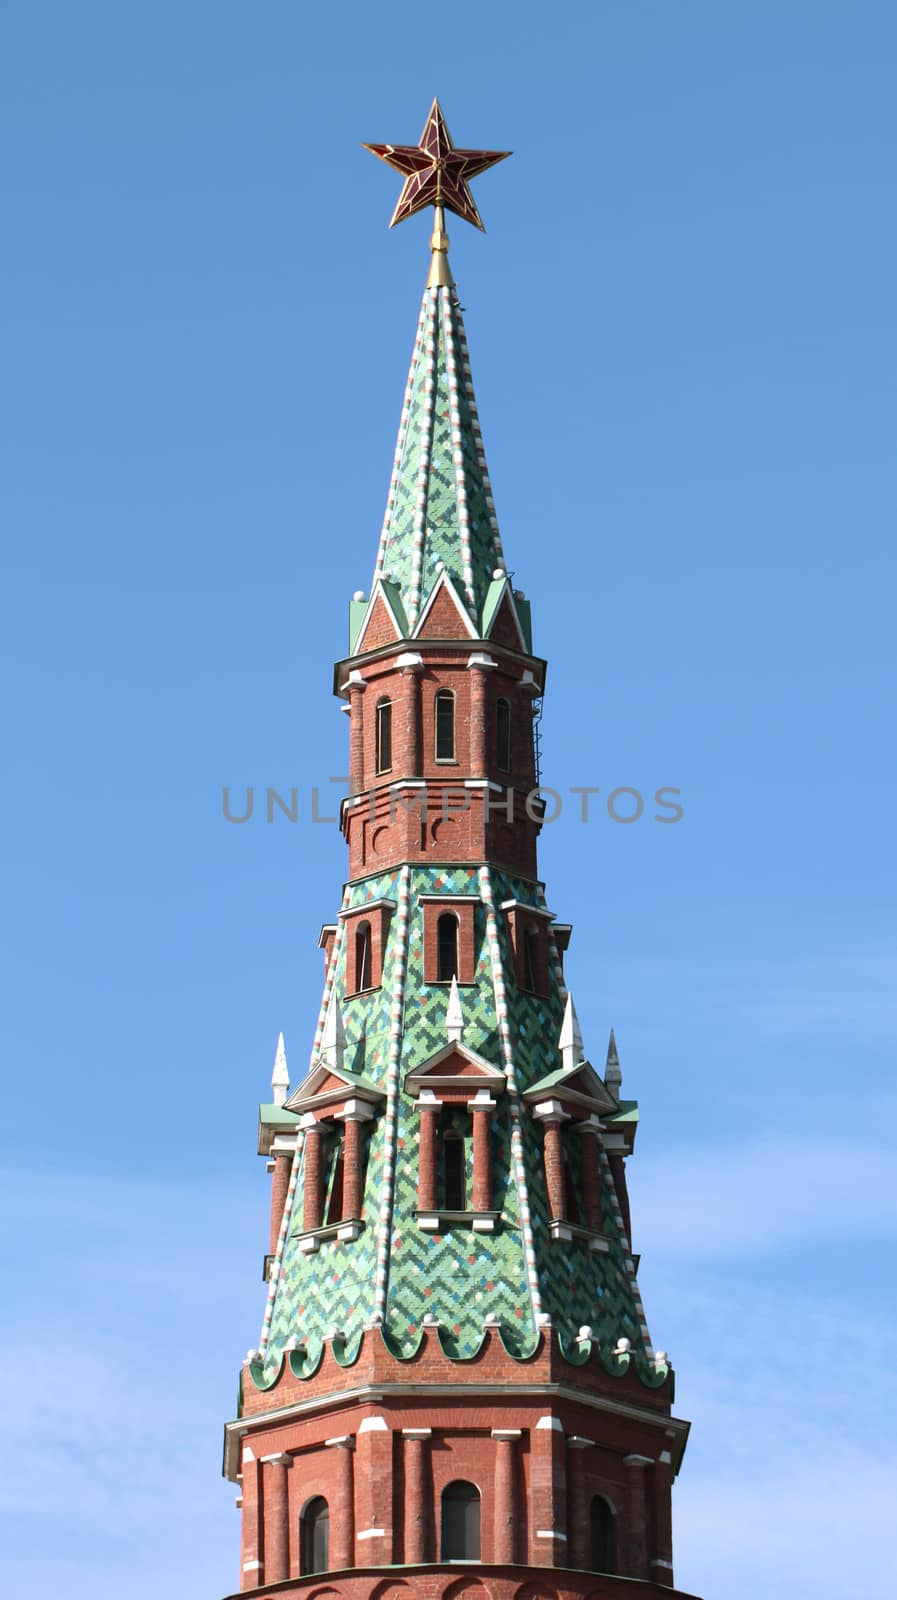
{"type": "Point", "coordinates": [395, 1273]}
{"type": "Point", "coordinates": [440, 511]}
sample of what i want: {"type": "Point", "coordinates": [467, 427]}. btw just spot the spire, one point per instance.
{"type": "Point", "coordinates": [570, 1041]}
{"type": "Point", "coordinates": [440, 507]}
{"type": "Point", "coordinates": [333, 1039]}
{"type": "Point", "coordinates": [454, 1016]}
{"type": "Point", "coordinates": [280, 1077]}
{"type": "Point", "coordinates": [613, 1077]}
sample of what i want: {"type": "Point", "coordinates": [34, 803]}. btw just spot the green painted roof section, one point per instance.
{"type": "Point", "coordinates": [525, 618]}
{"type": "Point", "coordinates": [395, 1272]}
{"type": "Point", "coordinates": [628, 1112]}
{"type": "Point", "coordinates": [440, 511]}
{"type": "Point", "coordinates": [562, 1075]}
{"type": "Point", "coordinates": [271, 1116]}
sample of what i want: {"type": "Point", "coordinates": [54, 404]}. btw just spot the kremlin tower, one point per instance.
{"type": "Point", "coordinates": [454, 1395]}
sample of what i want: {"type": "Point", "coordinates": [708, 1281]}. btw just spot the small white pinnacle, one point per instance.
{"type": "Point", "coordinates": [622, 1347]}
{"type": "Point", "coordinates": [454, 1016]}
{"type": "Point", "coordinates": [499, 573]}
{"type": "Point", "coordinates": [570, 1041]}
{"type": "Point", "coordinates": [333, 1039]}
{"type": "Point", "coordinates": [280, 1077]}
{"type": "Point", "coordinates": [359, 595]}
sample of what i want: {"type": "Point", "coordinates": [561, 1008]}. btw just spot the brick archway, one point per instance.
{"type": "Point", "coordinates": [466, 1589]}
{"type": "Point", "coordinates": [536, 1591]}
{"type": "Point", "coordinates": [391, 1589]}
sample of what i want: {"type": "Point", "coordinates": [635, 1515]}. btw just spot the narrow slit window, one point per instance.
{"type": "Point", "coordinates": [531, 960]}
{"type": "Point", "coordinates": [503, 735]}
{"type": "Point", "coordinates": [445, 725]}
{"type": "Point", "coordinates": [601, 1528]}
{"type": "Point", "coordinates": [460, 1532]}
{"type": "Point", "coordinates": [334, 1209]}
{"type": "Point", "coordinates": [384, 735]}
{"type": "Point", "coordinates": [447, 947]}
{"type": "Point", "coordinates": [315, 1540]}
{"type": "Point", "coordinates": [363, 968]}
{"type": "Point", "coordinates": [571, 1203]}
{"type": "Point", "coordinates": [454, 1168]}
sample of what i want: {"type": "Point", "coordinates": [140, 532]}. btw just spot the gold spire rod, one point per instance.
{"type": "Point", "coordinates": [440, 271]}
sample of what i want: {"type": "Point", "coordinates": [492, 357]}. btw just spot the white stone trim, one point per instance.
{"type": "Point", "coordinates": [373, 1425]}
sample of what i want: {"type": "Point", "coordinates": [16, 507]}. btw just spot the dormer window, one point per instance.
{"type": "Point", "coordinates": [384, 735]}
{"type": "Point", "coordinates": [366, 935]}
{"type": "Point", "coordinates": [445, 725]}
{"type": "Point", "coordinates": [503, 735]}
{"type": "Point", "coordinates": [449, 937]}
{"type": "Point", "coordinates": [447, 947]}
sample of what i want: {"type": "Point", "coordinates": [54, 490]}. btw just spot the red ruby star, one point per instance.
{"type": "Point", "coordinates": [436, 174]}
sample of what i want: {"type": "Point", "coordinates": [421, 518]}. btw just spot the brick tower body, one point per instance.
{"type": "Point", "coordinates": [454, 1396]}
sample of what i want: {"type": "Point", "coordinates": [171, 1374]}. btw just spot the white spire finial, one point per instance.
{"type": "Point", "coordinates": [454, 1016]}
{"type": "Point", "coordinates": [333, 1039]}
{"type": "Point", "coordinates": [613, 1077]}
{"type": "Point", "coordinates": [280, 1077]}
{"type": "Point", "coordinates": [570, 1041]}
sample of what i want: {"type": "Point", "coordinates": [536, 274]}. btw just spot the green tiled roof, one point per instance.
{"type": "Point", "coordinates": [395, 1272]}
{"type": "Point", "coordinates": [440, 511]}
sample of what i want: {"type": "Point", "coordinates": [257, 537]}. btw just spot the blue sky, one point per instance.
{"type": "Point", "coordinates": [683, 338]}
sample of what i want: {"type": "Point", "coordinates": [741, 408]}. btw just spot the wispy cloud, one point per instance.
{"type": "Point", "coordinates": [763, 1196]}
{"type": "Point", "coordinates": [125, 1336]}
{"type": "Point", "coordinates": [790, 1474]}
{"type": "Point", "coordinates": [137, 1300]}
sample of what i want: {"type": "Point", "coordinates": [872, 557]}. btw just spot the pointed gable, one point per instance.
{"type": "Point", "coordinates": [504, 628]}
{"type": "Point", "coordinates": [379, 629]}
{"type": "Point", "coordinates": [444, 615]}
{"type": "Point", "coordinates": [454, 1073]}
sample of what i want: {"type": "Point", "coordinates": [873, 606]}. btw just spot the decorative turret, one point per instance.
{"type": "Point", "coordinates": [454, 1361]}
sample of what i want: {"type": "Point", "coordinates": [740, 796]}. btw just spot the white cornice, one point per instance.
{"type": "Point", "coordinates": [376, 1394]}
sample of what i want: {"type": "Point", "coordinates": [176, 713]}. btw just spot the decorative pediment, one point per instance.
{"type": "Point", "coordinates": [384, 621]}
{"type": "Point", "coordinates": [504, 628]}
{"type": "Point", "coordinates": [444, 614]}
{"type": "Point", "coordinates": [455, 1067]}
{"type": "Point", "coordinates": [327, 1086]}
{"type": "Point", "coordinates": [579, 1089]}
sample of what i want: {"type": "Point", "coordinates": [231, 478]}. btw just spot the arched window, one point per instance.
{"type": "Point", "coordinates": [460, 1522]}
{"type": "Point", "coordinates": [445, 725]}
{"type": "Point", "coordinates": [447, 947]}
{"type": "Point", "coordinates": [315, 1536]}
{"type": "Point", "coordinates": [454, 1171]}
{"type": "Point", "coordinates": [601, 1527]}
{"type": "Point", "coordinates": [363, 956]}
{"type": "Point", "coordinates": [503, 735]}
{"type": "Point", "coordinates": [384, 735]}
{"type": "Point", "coordinates": [531, 959]}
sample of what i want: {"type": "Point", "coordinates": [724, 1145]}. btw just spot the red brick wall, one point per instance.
{"type": "Point", "coordinates": [552, 1480]}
